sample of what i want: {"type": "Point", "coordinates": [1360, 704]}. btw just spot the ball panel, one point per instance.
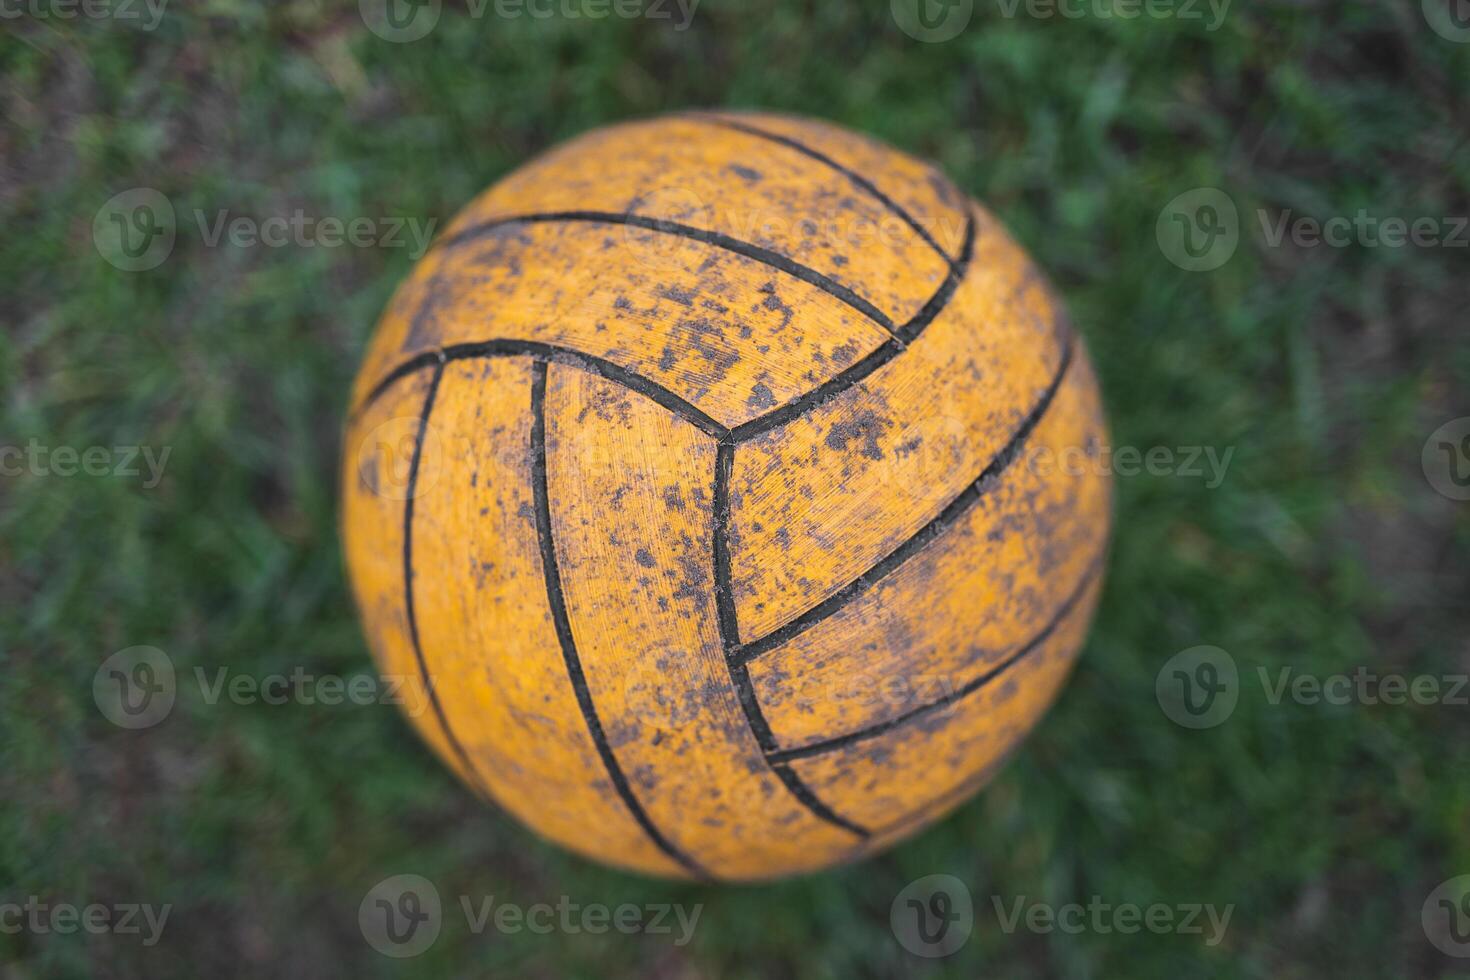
{"type": "Point", "coordinates": [697, 173]}
{"type": "Point", "coordinates": [485, 626]}
{"type": "Point", "coordinates": [726, 332]}
{"type": "Point", "coordinates": [819, 500]}
{"type": "Point", "coordinates": [377, 478]}
{"type": "Point", "coordinates": [896, 777]}
{"type": "Point", "coordinates": [630, 490]}
{"type": "Point", "coordinates": [923, 193]}
{"type": "Point", "coordinates": [989, 582]}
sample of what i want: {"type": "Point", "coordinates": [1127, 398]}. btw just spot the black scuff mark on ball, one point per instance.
{"type": "Point", "coordinates": [746, 173]}
{"type": "Point", "coordinates": [864, 429]}
{"type": "Point", "coordinates": [761, 396]}
{"type": "Point", "coordinates": [773, 302]}
{"type": "Point", "coordinates": [684, 297]}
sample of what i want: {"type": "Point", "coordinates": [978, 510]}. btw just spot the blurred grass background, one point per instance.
{"type": "Point", "coordinates": [1324, 549]}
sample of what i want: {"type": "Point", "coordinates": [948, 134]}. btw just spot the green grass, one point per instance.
{"type": "Point", "coordinates": [263, 826]}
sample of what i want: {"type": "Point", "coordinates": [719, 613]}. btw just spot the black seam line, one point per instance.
{"type": "Point", "coordinates": [739, 676]}
{"type": "Point", "coordinates": [556, 598]}
{"type": "Point", "coordinates": [955, 510]}
{"type": "Point", "coordinates": [561, 355]}
{"type": "Point", "coordinates": [834, 386]}
{"type": "Point", "coordinates": [873, 731]}
{"type": "Point", "coordinates": [413, 623]}
{"type": "Point", "coordinates": [880, 356]}
{"type": "Point", "coordinates": [718, 239]}
{"type": "Point", "coordinates": [858, 179]}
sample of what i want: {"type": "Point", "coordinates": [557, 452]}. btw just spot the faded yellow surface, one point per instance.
{"type": "Point", "coordinates": [377, 455]}
{"type": "Point", "coordinates": [693, 171]}
{"type": "Point", "coordinates": [634, 546]}
{"type": "Point", "coordinates": [959, 606]}
{"type": "Point", "coordinates": [895, 777]}
{"type": "Point", "coordinates": [485, 624]}
{"type": "Point", "coordinates": [608, 696]}
{"type": "Point", "coordinates": [721, 330]}
{"type": "Point", "coordinates": [820, 499]}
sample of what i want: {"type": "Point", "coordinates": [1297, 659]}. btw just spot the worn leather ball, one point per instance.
{"type": "Point", "coordinates": [722, 491]}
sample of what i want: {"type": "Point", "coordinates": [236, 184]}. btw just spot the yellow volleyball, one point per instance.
{"type": "Point", "coordinates": [723, 486]}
